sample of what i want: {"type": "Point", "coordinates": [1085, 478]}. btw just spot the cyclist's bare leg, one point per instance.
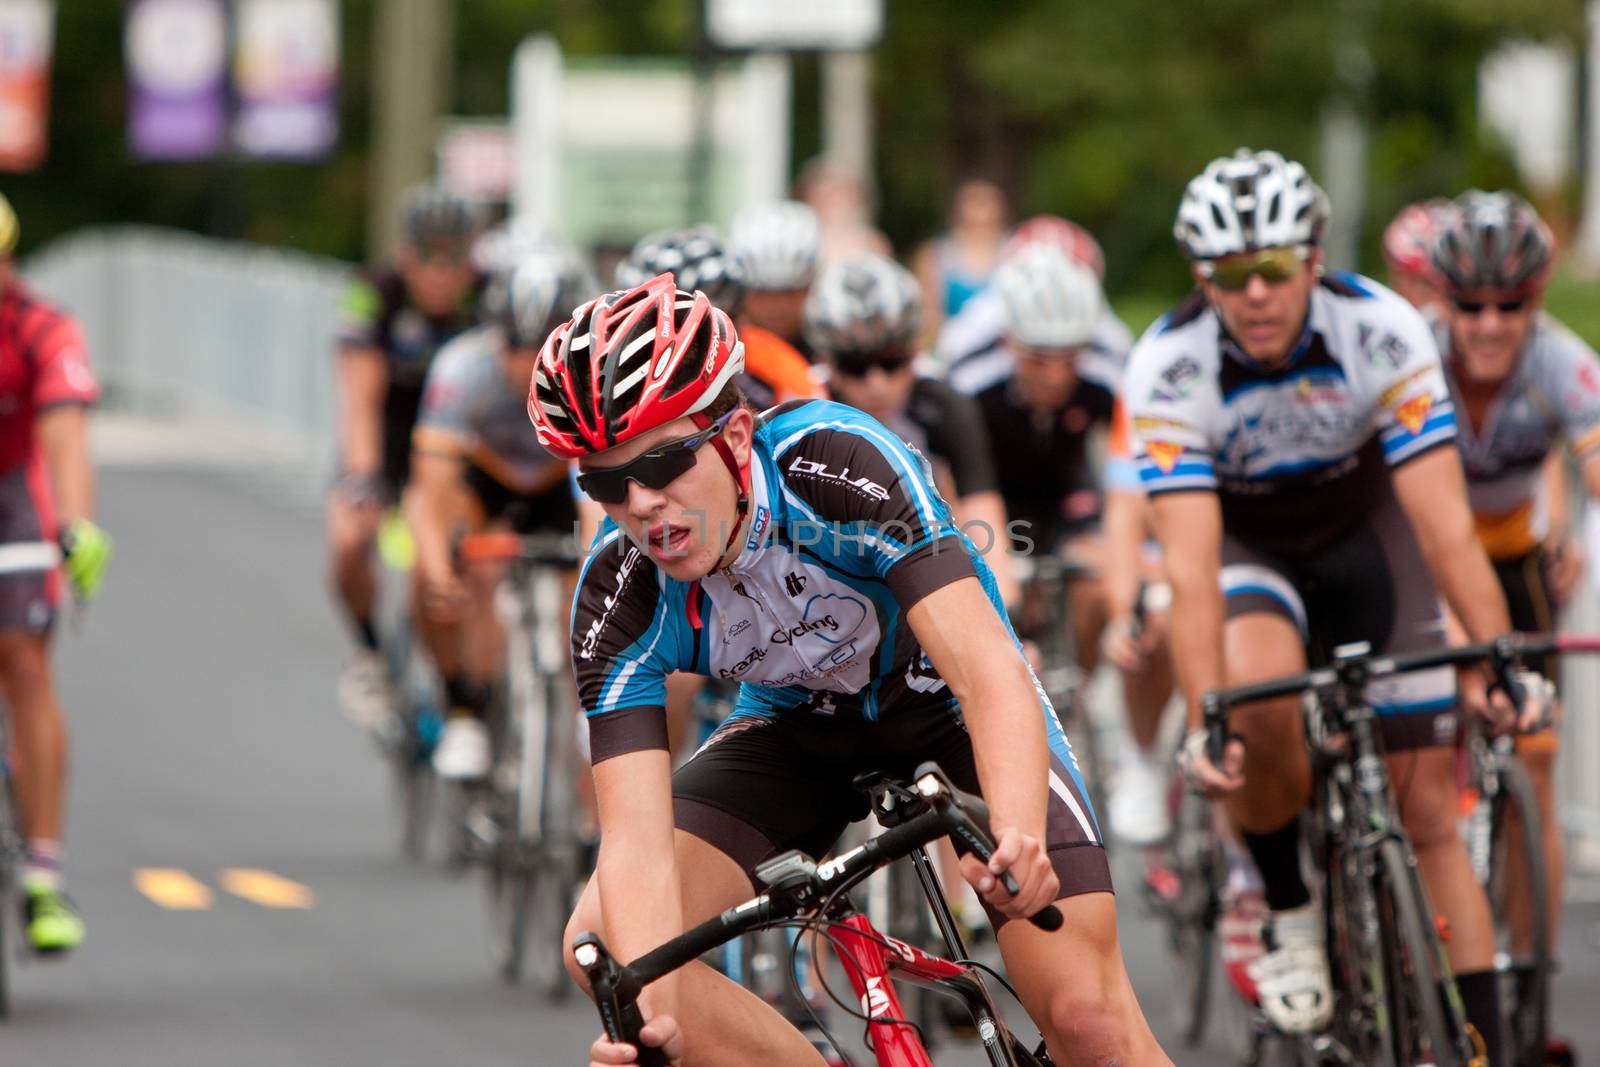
{"type": "Point", "coordinates": [723, 1024]}
{"type": "Point", "coordinates": [483, 640]}
{"type": "Point", "coordinates": [1537, 754]}
{"type": "Point", "coordinates": [1086, 601]}
{"type": "Point", "coordinates": [440, 634]}
{"type": "Point", "coordinates": [38, 732]}
{"type": "Point", "coordinates": [1145, 694]}
{"type": "Point", "coordinates": [1277, 768]}
{"type": "Point", "coordinates": [1075, 987]}
{"type": "Point", "coordinates": [352, 528]}
{"type": "Point", "coordinates": [1424, 782]}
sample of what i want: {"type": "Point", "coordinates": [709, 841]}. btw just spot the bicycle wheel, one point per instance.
{"type": "Point", "coordinates": [1522, 957]}
{"type": "Point", "coordinates": [1361, 1021]}
{"type": "Point", "coordinates": [1184, 891]}
{"type": "Point", "coordinates": [1425, 1026]}
{"type": "Point", "coordinates": [509, 878]}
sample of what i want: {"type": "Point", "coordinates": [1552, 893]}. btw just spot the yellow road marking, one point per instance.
{"type": "Point", "coordinates": [172, 888]}
{"type": "Point", "coordinates": [266, 888]}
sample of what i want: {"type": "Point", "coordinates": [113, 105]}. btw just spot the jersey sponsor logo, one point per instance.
{"type": "Point", "coordinates": [735, 630]}
{"type": "Point", "coordinates": [1391, 395]}
{"type": "Point", "coordinates": [795, 584]}
{"type": "Point", "coordinates": [758, 527]}
{"type": "Point", "coordinates": [809, 626]}
{"type": "Point", "coordinates": [1164, 454]}
{"type": "Point", "coordinates": [1146, 424]}
{"type": "Point", "coordinates": [921, 676]}
{"type": "Point", "coordinates": [751, 658]}
{"type": "Point", "coordinates": [591, 637]}
{"type": "Point", "coordinates": [1309, 392]}
{"type": "Point", "coordinates": [1414, 412]}
{"type": "Point", "coordinates": [808, 468]}
{"type": "Point", "coordinates": [1389, 352]}
{"type": "Point", "coordinates": [1178, 380]}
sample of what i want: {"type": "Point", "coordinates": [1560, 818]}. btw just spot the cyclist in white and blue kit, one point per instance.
{"type": "Point", "coordinates": [1297, 443]}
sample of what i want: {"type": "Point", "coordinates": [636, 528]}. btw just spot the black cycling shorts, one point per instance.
{"type": "Point", "coordinates": [761, 786]}
{"type": "Point", "coordinates": [1372, 585]}
{"type": "Point", "coordinates": [550, 511]}
{"type": "Point", "coordinates": [28, 599]}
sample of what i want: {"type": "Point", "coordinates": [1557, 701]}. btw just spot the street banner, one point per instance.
{"type": "Point", "coordinates": [26, 30]}
{"type": "Point", "coordinates": [177, 57]}
{"type": "Point", "coordinates": [287, 71]}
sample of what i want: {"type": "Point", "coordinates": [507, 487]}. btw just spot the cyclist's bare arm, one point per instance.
{"type": "Point", "coordinates": [436, 480]}
{"type": "Point", "coordinates": [968, 645]}
{"type": "Point", "coordinates": [1433, 492]}
{"type": "Point", "coordinates": [363, 379]}
{"type": "Point", "coordinates": [1189, 527]}
{"type": "Point", "coordinates": [640, 896]}
{"type": "Point", "coordinates": [982, 517]}
{"type": "Point", "coordinates": [63, 435]}
{"type": "Point", "coordinates": [1125, 522]}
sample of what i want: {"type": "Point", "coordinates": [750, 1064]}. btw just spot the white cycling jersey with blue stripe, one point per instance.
{"type": "Point", "coordinates": [1292, 450]}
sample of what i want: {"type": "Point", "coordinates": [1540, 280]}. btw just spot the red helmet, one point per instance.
{"type": "Point", "coordinates": [1409, 239]}
{"type": "Point", "coordinates": [1071, 238]}
{"type": "Point", "coordinates": [628, 362]}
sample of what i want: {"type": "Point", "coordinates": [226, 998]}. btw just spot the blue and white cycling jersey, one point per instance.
{"type": "Point", "coordinates": [847, 533]}
{"type": "Point", "coordinates": [1297, 453]}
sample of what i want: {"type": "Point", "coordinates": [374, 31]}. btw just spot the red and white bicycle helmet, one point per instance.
{"type": "Point", "coordinates": [1408, 240]}
{"type": "Point", "coordinates": [627, 362]}
{"type": "Point", "coordinates": [1074, 240]}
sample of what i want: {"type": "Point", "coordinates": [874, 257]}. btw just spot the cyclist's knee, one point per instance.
{"type": "Point", "coordinates": [24, 659]}
{"type": "Point", "coordinates": [1425, 785]}
{"type": "Point", "coordinates": [1089, 1022]}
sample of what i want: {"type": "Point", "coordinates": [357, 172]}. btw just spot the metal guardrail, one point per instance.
{"type": "Point", "coordinates": [181, 326]}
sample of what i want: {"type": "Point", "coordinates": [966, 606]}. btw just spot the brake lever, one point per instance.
{"type": "Point", "coordinates": [967, 818]}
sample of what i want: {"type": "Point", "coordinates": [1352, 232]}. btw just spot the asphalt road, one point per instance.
{"type": "Point", "coordinates": [233, 847]}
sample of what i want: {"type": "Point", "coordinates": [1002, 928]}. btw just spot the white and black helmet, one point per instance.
{"type": "Point", "coordinates": [696, 257]}
{"type": "Point", "coordinates": [535, 296]}
{"type": "Point", "coordinates": [778, 246]}
{"type": "Point", "coordinates": [514, 240]}
{"type": "Point", "coordinates": [864, 303]}
{"type": "Point", "coordinates": [1248, 201]}
{"type": "Point", "coordinates": [1050, 299]}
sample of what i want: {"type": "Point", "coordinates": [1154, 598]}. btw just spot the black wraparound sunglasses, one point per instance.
{"type": "Point", "coordinates": [655, 469]}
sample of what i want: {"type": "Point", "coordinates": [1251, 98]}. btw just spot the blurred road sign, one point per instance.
{"type": "Point", "coordinates": [475, 158]}
{"type": "Point", "coordinates": [177, 57]}
{"type": "Point", "coordinates": [25, 41]}
{"type": "Point", "coordinates": [286, 64]}
{"type": "Point", "coordinates": [603, 145]}
{"type": "Point", "coordinates": [787, 26]}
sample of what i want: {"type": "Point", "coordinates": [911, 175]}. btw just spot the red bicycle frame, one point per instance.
{"type": "Point", "coordinates": [870, 960]}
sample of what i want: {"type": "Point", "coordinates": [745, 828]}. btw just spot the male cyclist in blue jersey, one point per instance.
{"type": "Point", "coordinates": [809, 556]}
{"type": "Point", "coordinates": [1296, 441]}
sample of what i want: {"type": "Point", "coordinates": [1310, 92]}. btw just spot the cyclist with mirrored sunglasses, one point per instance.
{"type": "Point", "coordinates": [394, 320]}
{"type": "Point", "coordinates": [1526, 387]}
{"type": "Point", "coordinates": [808, 554]}
{"type": "Point", "coordinates": [1297, 441]}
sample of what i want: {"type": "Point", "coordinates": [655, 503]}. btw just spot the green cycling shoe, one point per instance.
{"type": "Point", "coordinates": [51, 920]}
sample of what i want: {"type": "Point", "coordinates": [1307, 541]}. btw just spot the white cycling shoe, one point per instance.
{"type": "Point", "coordinates": [462, 754]}
{"type": "Point", "coordinates": [364, 690]}
{"type": "Point", "coordinates": [1138, 802]}
{"type": "Point", "coordinates": [1292, 978]}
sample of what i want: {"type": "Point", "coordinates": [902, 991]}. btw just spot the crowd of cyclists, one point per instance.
{"type": "Point", "coordinates": [1292, 459]}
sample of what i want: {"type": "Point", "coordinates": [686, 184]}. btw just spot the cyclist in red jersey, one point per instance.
{"type": "Point", "coordinates": [46, 495]}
